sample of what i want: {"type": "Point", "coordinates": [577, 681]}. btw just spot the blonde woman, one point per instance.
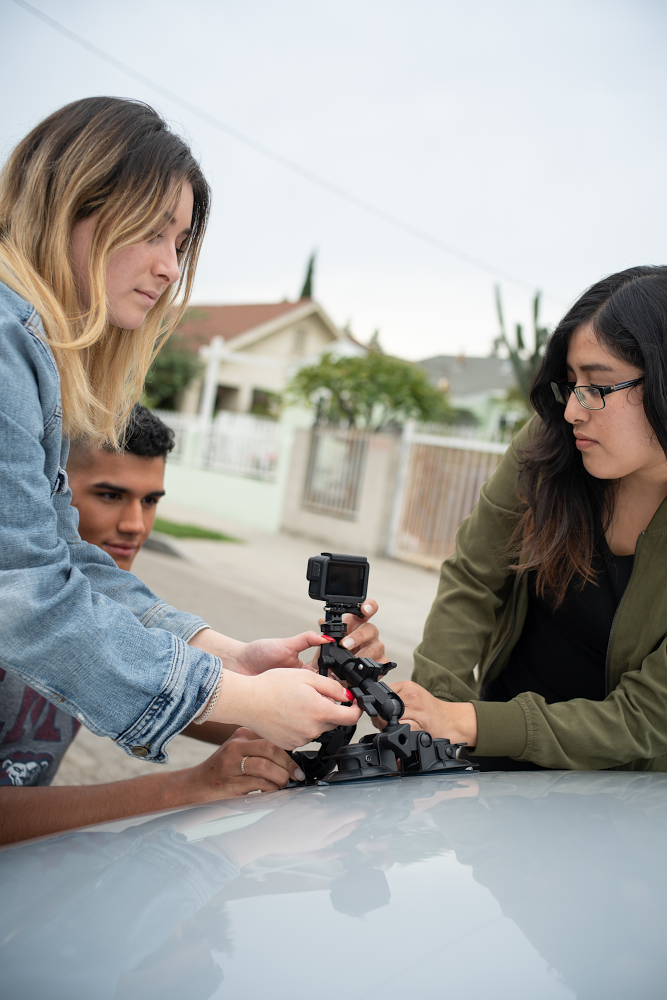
{"type": "Point", "coordinates": [102, 215]}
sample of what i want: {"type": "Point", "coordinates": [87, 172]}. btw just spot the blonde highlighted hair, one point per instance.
{"type": "Point", "coordinates": [116, 159]}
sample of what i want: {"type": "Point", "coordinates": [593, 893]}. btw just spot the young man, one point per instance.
{"type": "Point", "coordinates": [117, 496]}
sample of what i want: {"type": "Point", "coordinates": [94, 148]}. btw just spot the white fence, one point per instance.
{"type": "Point", "coordinates": [435, 487]}
{"type": "Point", "coordinates": [438, 484]}
{"type": "Point", "coordinates": [238, 444]}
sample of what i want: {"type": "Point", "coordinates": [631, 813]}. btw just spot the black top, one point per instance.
{"type": "Point", "coordinates": [561, 653]}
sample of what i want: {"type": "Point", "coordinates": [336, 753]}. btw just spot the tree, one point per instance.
{"type": "Point", "coordinates": [525, 361]}
{"type": "Point", "coordinates": [171, 373]}
{"type": "Point", "coordinates": [374, 343]}
{"type": "Point", "coordinates": [369, 391]}
{"type": "Point", "coordinates": [307, 290]}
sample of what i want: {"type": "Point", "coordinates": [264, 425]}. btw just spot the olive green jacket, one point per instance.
{"type": "Point", "coordinates": [477, 618]}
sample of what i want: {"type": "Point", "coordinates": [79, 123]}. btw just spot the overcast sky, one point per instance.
{"type": "Point", "coordinates": [528, 134]}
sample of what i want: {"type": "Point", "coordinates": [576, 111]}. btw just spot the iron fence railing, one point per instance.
{"type": "Point", "coordinates": [335, 471]}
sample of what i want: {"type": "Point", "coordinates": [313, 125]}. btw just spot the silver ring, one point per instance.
{"type": "Point", "coordinates": [243, 765]}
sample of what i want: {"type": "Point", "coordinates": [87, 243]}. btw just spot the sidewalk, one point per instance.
{"type": "Point", "coordinates": [252, 589]}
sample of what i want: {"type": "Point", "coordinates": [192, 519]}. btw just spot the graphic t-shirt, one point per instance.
{"type": "Point", "coordinates": [34, 734]}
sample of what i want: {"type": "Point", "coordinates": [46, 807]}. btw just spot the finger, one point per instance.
{"type": "Point", "coordinates": [295, 772]}
{"type": "Point", "coordinates": [328, 687]}
{"type": "Point", "coordinates": [353, 622]}
{"type": "Point", "coordinates": [262, 767]}
{"type": "Point", "coordinates": [264, 748]}
{"type": "Point", "coordinates": [361, 635]}
{"type": "Point", "coordinates": [339, 715]}
{"type": "Point", "coordinates": [305, 640]}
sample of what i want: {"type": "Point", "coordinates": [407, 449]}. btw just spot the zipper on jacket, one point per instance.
{"type": "Point", "coordinates": [613, 621]}
{"type": "Point", "coordinates": [509, 634]}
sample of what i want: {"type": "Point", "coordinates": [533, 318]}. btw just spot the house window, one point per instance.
{"type": "Point", "coordinates": [265, 403]}
{"type": "Point", "coordinates": [227, 398]}
{"type": "Point", "coordinates": [300, 341]}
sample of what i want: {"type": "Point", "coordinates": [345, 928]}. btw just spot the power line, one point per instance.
{"type": "Point", "coordinates": [276, 157]}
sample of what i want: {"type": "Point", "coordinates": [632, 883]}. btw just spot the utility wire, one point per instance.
{"type": "Point", "coordinates": [283, 161]}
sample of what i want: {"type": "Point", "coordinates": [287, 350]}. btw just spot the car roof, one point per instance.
{"type": "Point", "coordinates": [523, 884]}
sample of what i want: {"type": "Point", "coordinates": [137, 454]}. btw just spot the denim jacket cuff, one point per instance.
{"type": "Point", "coordinates": [180, 623]}
{"type": "Point", "coordinates": [192, 680]}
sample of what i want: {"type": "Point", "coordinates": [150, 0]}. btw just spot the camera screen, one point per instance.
{"type": "Point", "coordinates": [345, 580]}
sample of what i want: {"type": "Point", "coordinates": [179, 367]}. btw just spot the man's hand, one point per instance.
{"type": "Point", "coordinates": [266, 768]}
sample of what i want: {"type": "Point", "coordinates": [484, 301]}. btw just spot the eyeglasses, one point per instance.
{"type": "Point", "coordinates": [590, 396]}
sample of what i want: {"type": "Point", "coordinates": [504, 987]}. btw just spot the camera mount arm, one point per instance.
{"type": "Point", "coordinates": [394, 751]}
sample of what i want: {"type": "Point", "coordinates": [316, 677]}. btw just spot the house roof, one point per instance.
{"type": "Point", "coordinates": [467, 376]}
{"type": "Point", "coordinates": [201, 323]}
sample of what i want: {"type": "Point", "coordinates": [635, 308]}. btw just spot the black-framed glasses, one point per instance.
{"type": "Point", "coordinates": [590, 396]}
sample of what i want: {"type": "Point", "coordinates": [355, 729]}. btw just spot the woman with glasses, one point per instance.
{"type": "Point", "coordinates": [546, 646]}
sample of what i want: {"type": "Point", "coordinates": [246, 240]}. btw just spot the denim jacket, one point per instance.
{"type": "Point", "coordinates": [89, 637]}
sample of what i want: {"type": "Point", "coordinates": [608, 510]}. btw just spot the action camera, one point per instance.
{"type": "Point", "coordinates": [338, 579]}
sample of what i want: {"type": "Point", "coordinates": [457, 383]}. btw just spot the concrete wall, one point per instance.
{"type": "Point", "coordinates": [367, 534]}
{"type": "Point", "coordinates": [250, 501]}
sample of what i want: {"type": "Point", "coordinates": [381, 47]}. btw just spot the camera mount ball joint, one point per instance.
{"type": "Point", "coordinates": [341, 581]}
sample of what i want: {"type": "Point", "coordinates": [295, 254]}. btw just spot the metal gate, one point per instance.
{"type": "Point", "coordinates": [438, 485]}
{"type": "Point", "coordinates": [335, 471]}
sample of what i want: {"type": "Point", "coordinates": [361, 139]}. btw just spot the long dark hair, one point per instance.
{"type": "Point", "coordinates": [567, 509]}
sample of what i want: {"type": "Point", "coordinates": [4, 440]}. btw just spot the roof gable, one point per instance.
{"type": "Point", "coordinates": [201, 323]}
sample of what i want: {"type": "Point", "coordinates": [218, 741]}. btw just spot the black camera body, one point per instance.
{"type": "Point", "coordinates": [341, 581]}
{"type": "Point", "coordinates": [338, 579]}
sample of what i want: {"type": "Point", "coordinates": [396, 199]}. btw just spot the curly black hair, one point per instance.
{"type": "Point", "coordinates": [147, 435]}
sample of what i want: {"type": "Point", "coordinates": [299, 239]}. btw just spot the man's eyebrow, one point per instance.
{"type": "Point", "coordinates": [111, 488]}
{"type": "Point", "coordinates": [123, 489]}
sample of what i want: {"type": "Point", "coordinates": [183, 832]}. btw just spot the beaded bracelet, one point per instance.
{"type": "Point", "coordinates": [211, 703]}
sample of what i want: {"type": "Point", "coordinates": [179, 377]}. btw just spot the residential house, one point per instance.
{"type": "Point", "coordinates": [257, 348]}
{"type": "Point", "coordinates": [479, 385]}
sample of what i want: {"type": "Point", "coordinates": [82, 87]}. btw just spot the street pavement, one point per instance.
{"type": "Point", "coordinates": [251, 589]}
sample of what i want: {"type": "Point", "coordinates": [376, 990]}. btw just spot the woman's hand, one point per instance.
{"type": "Point", "coordinates": [455, 721]}
{"type": "Point", "coordinates": [267, 768]}
{"type": "Point", "coordinates": [252, 658]}
{"type": "Point", "coordinates": [288, 707]}
{"type": "Point", "coordinates": [362, 639]}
